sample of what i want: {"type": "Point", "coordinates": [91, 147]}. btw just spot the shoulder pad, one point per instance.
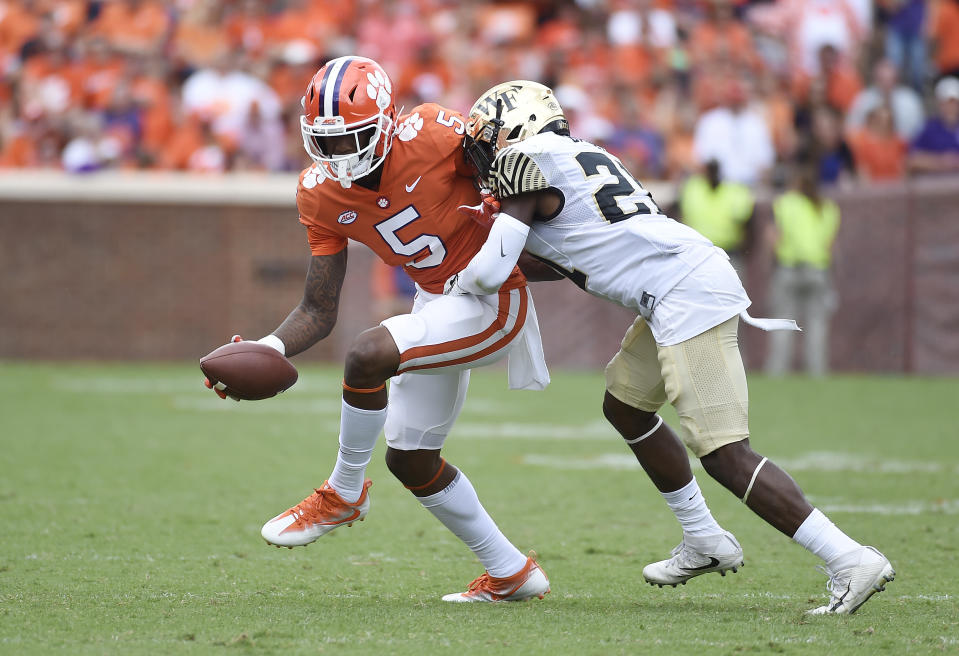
{"type": "Point", "coordinates": [514, 172]}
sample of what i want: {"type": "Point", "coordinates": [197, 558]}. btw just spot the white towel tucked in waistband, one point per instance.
{"type": "Point", "coordinates": [770, 324]}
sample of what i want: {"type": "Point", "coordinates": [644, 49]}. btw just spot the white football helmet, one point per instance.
{"type": "Point", "coordinates": [508, 113]}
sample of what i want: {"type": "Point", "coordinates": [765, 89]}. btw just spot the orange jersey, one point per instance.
{"type": "Point", "coordinates": [411, 220]}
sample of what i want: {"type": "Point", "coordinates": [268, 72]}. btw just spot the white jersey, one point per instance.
{"type": "Point", "coordinates": [611, 238]}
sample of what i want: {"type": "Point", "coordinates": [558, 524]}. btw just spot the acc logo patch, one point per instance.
{"type": "Point", "coordinates": [349, 216]}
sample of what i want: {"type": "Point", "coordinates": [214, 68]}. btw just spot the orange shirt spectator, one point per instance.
{"type": "Point", "coordinates": [199, 38]}
{"type": "Point", "coordinates": [841, 81]}
{"type": "Point", "coordinates": [42, 73]}
{"type": "Point", "coordinates": [248, 28]}
{"type": "Point", "coordinates": [68, 16]}
{"type": "Point", "coordinates": [19, 150]}
{"type": "Point", "coordinates": [426, 77]}
{"type": "Point", "coordinates": [134, 25]}
{"type": "Point", "coordinates": [879, 152]}
{"type": "Point", "coordinates": [101, 75]}
{"type": "Point", "coordinates": [944, 32]}
{"type": "Point", "coordinates": [775, 105]}
{"type": "Point", "coordinates": [17, 26]}
{"type": "Point", "coordinates": [313, 22]}
{"type": "Point", "coordinates": [151, 94]}
{"type": "Point", "coordinates": [722, 37]}
{"type": "Point", "coordinates": [187, 138]}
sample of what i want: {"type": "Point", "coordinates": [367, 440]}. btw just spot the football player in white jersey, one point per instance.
{"type": "Point", "coordinates": [577, 209]}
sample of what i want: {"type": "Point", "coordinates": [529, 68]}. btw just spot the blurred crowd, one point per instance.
{"type": "Point", "coordinates": [864, 88]}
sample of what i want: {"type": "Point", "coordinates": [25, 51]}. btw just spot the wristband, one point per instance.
{"type": "Point", "coordinates": [275, 342]}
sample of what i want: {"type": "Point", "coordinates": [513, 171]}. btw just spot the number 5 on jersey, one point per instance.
{"type": "Point", "coordinates": [406, 216]}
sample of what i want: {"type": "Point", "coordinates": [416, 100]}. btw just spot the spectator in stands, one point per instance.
{"type": "Point", "coordinates": [199, 38]}
{"type": "Point", "coordinates": [676, 57]}
{"type": "Point", "coordinates": [837, 81]}
{"type": "Point", "coordinates": [636, 22]}
{"type": "Point", "coordinates": [680, 160]}
{"type": "Point", "coordinates": [804, 233]}
{"type": "Point", "coordinates": [210, 156]}
{"type": "Point", "coordinates": [904, 40]}
{"type": "Point", "coordinates": [778, 110]}
{"type": "Point", "coordinates": [879, 152]}
{"type": "Point", "coordinates": [735, 136]}
{"type": "Point", "coordinates": [943, 28]}
{"type": "Point", "coordinates": [719, 210]}
{"type": "Point", "coordinates": [903, 101]}
{"type": "Point", "coordinates": [808, 25]}
{"type": "Point", "coordinates": [826, 147]}
{"type": "Point", "coordinates": [227, 92]}
{"type": "Point", "coordinates": [936, 148]}
{"type": "Point", "coordinates": [89, 149]}
{"type": "Point", "coordinates": [721, 37]}
{"type": "Point", "coordinates": [262, 147]}
{"type": "Point", "coordinates": [583, 119]}
{"type": "Point", "coordinates": [633, 139]}
{"type": "Point", "coordinates": [134, 26]}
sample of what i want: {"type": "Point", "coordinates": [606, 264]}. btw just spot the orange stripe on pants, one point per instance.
{"type": "Point", "coordinates": [448, 347]}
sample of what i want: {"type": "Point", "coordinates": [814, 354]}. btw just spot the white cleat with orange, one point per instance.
{"type": "Point", "coordinates": [527, 583]}
{"type": "Point", "coordinates": [315, 516]}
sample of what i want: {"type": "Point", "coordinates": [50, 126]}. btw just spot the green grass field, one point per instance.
{"type": "Point", "coordinates": [131, 500]}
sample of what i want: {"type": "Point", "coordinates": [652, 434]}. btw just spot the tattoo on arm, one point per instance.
{"type": "Point", "coordinates": [315, 316]}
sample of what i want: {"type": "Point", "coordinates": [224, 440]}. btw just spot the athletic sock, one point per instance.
{"type": "Point", "coordinates": [820, 536]}
{"type": "Point", "coordinates": [460, 510]}
{"type": "Point", "coordinates": [359, 430]}
{"type": "Point", "coordinates": [689, 506]}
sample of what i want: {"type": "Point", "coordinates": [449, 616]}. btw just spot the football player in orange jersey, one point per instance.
{"type": "Point", "coordinates": [395, 184]}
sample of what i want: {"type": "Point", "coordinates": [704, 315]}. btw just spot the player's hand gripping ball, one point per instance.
{"type": "Point", "coordinates": [247, 370]}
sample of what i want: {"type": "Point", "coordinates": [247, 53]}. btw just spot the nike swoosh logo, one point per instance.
{"type": "Point", "coordinates": [502, 252]}
{"type": "Point", "coordinates": [713, 562]}
{"type": "Point", "coordinates": [411, 187]}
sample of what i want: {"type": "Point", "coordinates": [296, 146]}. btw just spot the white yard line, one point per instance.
{"type": "Point", "coordinates": [299, 406]}
{"type": "Point", "coordinates": [817, 461]}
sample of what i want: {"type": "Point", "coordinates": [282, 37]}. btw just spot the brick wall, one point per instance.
{"type": "Point", "coordinates": [166, 279]}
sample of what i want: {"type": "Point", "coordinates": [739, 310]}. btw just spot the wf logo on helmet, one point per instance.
{"type": "Point", "coordinates": [508, 97]}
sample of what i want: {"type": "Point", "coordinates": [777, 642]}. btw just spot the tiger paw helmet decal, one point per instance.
{"type": "Point", "coordinates": [379, 89]}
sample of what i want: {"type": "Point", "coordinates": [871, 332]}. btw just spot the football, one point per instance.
{"type": "Point", "coordinates": [251, 371]}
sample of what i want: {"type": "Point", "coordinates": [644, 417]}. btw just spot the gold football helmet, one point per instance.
{"type": "Point", "coordinates": [508, 113]}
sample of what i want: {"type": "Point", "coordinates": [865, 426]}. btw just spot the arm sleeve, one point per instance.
{"type": "Point", "coordinates": [491, 266]}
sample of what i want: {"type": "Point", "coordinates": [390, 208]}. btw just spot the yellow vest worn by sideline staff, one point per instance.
{"type": "Point", "coordinates": [719, 214]}
{"type": "Point", "coordinates": [806, 231]}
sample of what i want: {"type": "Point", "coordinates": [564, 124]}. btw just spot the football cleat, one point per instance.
{"type": "Point", "coordinates": [850, 587]}
{"type": "Point", "coordinates": [695, 556]}
{"type": "Point", "coordinates": [315, 516]}
{"type": "Point", "coordinates": [525, 584]}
